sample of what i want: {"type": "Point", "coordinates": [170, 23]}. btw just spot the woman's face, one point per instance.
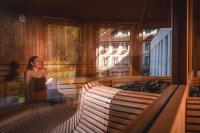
{"type": "Point", "coordinates": [37, 63]}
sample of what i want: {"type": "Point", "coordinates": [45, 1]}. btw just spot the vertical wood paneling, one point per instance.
{"type": "Point", "coordinates": [89, 49]}
{"type": "Point", "coordinates": [136, 50]}
{"type": "Point", "coordinates": [180, 42]}
{"type": "Point", "coordinates": [190, 37]}
{"type": "Point", "coordinates": [196, 35]}
{"type": "Point", "coordinates": [30, 38]}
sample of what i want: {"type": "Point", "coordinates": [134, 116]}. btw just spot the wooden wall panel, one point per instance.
{"type": "Point", "coordinates": [11, 37]}
{"type": "Point", "coordinates": [89, 49]}
{"type": "Point", "coordinates": [190, 37]}
{"type": "Point", "coordinates": [19, 41]}
{"type": "Point", "coordinates": [180, 42]}
{"type": "Point", "coordinates": [196, 36]}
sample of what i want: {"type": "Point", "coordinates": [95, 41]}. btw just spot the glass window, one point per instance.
{"type": "Point", "coordinates": [156, 55]}
{"type": "Point", "coordinates": [117, 43]}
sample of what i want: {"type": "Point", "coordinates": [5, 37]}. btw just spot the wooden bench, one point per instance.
{"type": "Point", "coordinates": [9, 89]}
{"type": "Point", "coordinates": [3, 72]}
{"type": "Point", "coordinates": [106, 109]}
{"type": "Point", "coordinates": [195, 81]}
{"type": "Point", "coordinates": [193, 114]}
{"type": "Point", "coordinates": [101, 109]}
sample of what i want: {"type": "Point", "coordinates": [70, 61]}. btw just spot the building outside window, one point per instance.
{"type": "Point", "coordinates": [115, 61]}
{"type": "Point", "coordinates": [105, 62]}
{"type": "Point", "coordinates": [147, 61]}
{"type": "Point", "coordinates": [147, 46]}
{"type": "Point", "coordinates": [116, 43]}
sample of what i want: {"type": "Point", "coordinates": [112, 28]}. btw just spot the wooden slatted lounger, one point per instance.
{"type": "Point", "coordinates": [101, 109]}
{"type": "Point", "coordinates": [193, 114]}
{"type": "Point", "coordinates": [105, 109]}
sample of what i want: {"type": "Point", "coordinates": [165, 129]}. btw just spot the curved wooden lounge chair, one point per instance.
{"type": "Point", "coordinates": [101, 109]}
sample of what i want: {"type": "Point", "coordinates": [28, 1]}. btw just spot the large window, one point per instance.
{"type": "Point", "coordinates": [62, 50]}
{"type": "Point", "coordinates": [113, 52]}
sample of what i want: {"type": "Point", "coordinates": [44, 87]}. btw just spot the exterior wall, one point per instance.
{"type": "Point", "coordinates": [161, 53]}
{"type": "Point", "coordinates": [145, 54]}
{"type": "Point", "coordinates": [147, 37]}
{"type": "Point", "coordinates": [108, 66]}
{"type": "Point", "coordinates": [113, 52]}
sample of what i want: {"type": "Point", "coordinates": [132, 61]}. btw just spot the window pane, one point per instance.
{"type": "Point", "coordinates": [113, 52]}
{"type": "Point", "coordinates": [156, 53]}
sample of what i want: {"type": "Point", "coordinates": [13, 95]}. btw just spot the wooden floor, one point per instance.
{"type": "Point", "coordinates": [193, 115]}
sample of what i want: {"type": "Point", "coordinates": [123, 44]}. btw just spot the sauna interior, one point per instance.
{"type": "Point", "coordinates": [106, 66]}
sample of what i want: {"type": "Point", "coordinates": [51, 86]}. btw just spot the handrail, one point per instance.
{"type": "Point", "coordinates": [173, 115]}
{"type": "Point", "coordinates": [142, 123]}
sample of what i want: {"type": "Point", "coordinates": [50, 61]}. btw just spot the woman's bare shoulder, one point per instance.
{"type": "Point", "coordinates": [43, 70]}
{"type": "Point", "coordinates": [28, 72]}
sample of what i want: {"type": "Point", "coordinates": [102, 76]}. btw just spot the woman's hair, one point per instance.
{"type": "Point", "coordinates": [31, 59]}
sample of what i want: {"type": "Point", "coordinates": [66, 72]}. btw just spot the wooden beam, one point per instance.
{"type": "Point", "coordinates": [89, 50]}
{"type": "Point", "coordinates": [136, 51]}
{"type": "Point", "coordinates": [190, 36]}
{"type": "Point", "coordinates": [179, 48]}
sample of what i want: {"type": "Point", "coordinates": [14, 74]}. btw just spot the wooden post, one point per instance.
{"type": "Point", "coordinates": [180, 41]}
{"type": "Point", "coordinates": [190, 37]}
{"type": "Point", "coordinates": [136, 51]}
{"type": "Point", "coordinates": [88, 50]}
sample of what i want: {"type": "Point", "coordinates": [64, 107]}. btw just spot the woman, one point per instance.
{"type": "Point", "coordinates": [35, 80]}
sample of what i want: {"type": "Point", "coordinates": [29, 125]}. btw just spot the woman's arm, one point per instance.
{"type": "Point", "coordinates": [27, 78]}
{"type": "Point", "coordinates": [45, 73]}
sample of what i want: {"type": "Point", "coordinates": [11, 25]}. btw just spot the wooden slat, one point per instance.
{"type": "Point", "coordinates": [193, 113]}
{"type": "Point", "coordinates": [106, 89]}
{"type": "Point", "coordinates": [193, 98]}
{"type": "Point", "coordinates": [91, 126]}
{"type": "Point", "coordinates": [111, 130]}
{"type": "Point", "coordinates": [137, 96]}
{"type": "Point", "coordinates": [81, 130]}
{"type": "Point", "coordinates": [116, 126]}
{"type": "Point", "coordinates": [136, 100]}
{"type": "Point", "coordinates": [97, 118]}
{"type": "Point", "coordinates": [104, 94]}
{"type": "Point", "coordinates": [129, 104]}
{"type": "Point", "coordinates": [121, 121]}
{"type": "Point", "coordinates": [97, 107]}
{"type": "Point", "coordinates": [193, 120]}
{"type": "Point", "coordinates": [122, 115]}
{"type": "Point", "coordinates": [193, 107]}
{"type": "Point", "coordinates": [193, 102]}
{"type": "Point", "coordinates": [98, 97]}
{"type": "Point", "coordinates": [125, 109]}
{"type": "Point", "coordinates": [96, 101]}
{"type": "Point", "coordinates": [97, 112]}
{"type": "Point", "coordinates": [193, 128]}
{"type": "Point", "coordinates": [85, 128]}
{"type": "Point", "coordinates": [140, 93]}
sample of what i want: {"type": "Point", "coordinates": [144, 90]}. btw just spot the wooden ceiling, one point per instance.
{"type": "Point", "coordinates": [134, 11]}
